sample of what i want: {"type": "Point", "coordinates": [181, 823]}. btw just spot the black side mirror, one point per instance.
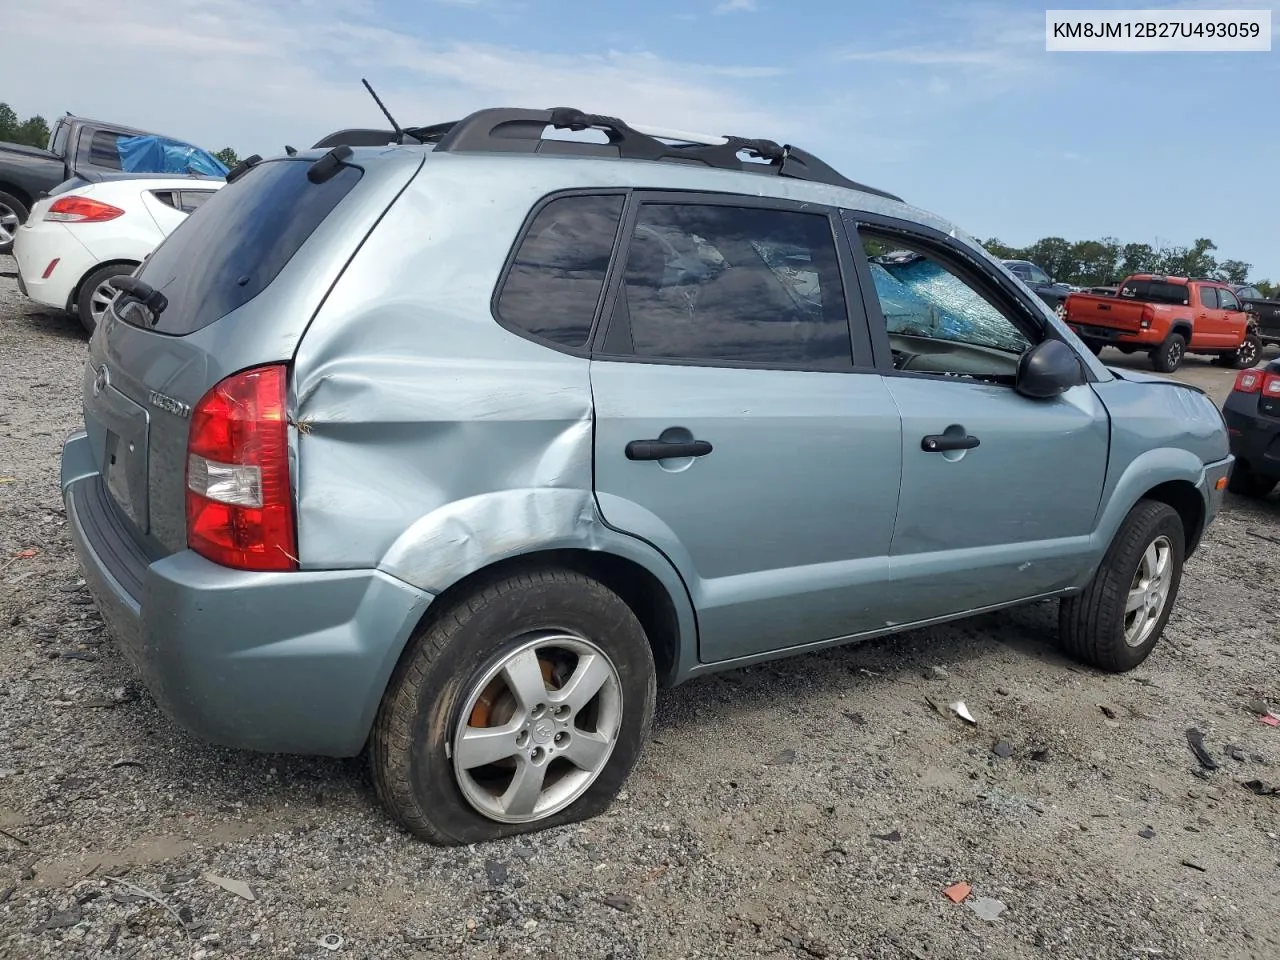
{"type": "Point", "coordinates": [1049, 369]}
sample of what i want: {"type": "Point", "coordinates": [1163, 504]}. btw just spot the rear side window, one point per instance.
{"type": "Point", "coordinates": [104, 150]}
{"type": "Point", "coordinates": [718, 283]}
{"type": "Point", "coordinates": [554, 284]}
{"type": "Point", "coordinates": [238, 240]}
{"type": "Point", "coordinates": [1156, 291]}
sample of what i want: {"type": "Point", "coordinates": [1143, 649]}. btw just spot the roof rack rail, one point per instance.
{"type": "Point", "coordinates": [514, 130]}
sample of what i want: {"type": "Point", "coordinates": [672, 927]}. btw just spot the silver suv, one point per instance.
{"type": "Point", "coordinates": [457, 449]}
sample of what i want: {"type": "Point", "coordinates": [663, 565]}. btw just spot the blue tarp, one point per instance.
{"type": "Point", "coordinates": [151, 154]}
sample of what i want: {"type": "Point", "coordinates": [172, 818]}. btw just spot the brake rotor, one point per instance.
{"type": "Point", "coordinates": [495, 705]}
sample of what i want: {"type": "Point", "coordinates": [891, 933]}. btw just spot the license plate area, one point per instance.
{"type": "Point", "coordinates": [124, 427]}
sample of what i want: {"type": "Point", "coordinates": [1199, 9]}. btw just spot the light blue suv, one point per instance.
{"type": "Point", "coordinates": [456, 449]}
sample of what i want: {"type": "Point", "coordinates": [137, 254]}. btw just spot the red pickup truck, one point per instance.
{"type": "Point", "coordinates": [1168, 317]}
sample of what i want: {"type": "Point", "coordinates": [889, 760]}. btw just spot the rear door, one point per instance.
{"type": "Point", "coordinates": [739, 427]}
{"type": "Point", "coordinates": [1210, 329]}
{"type": "Point", "coordinates": [999, 491]}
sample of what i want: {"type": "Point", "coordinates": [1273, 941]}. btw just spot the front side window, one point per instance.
{"type": "Point", "coordinates": [1227, 300]}
{"type": "Point", "coordinates": [937, 320]}
{"type": "Point", "coordinates": [720, 283]}
{"type": "Point", "coordinates": [1209, 298]}
{"type": "Point", "coordinates": [1039, 276]}
{"type": "Point", "coordinates": [554, 284]}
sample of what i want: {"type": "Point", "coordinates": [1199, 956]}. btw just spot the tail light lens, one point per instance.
{"type": "Point", "coordinates": [239, 501]}
{"type": "Point", "coordinates": [1148, 316]}
{"type": "Point", "coordinates": [1271, 385]}
{"type": "Point", "coordinates": [82, 210]}
{"type": "Point", "coordinates": [1249, 381]}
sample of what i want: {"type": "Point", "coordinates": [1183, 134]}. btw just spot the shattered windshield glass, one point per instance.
{"type": "Point", "coordinates": [922, 298]}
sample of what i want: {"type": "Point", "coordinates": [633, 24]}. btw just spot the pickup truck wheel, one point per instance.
{"type": "Point", "coordinates": [1246, 483]}
{"type": "Point", "coordinates": [1167, 357]}
{"type": "Point", "coordinates": [13, 213]}
{"type": "Point", "coordinates": [1246, 355]}
{"type": "Point", "coordinates": [523, 705]}
{"type": "Point", "coordinates": [1117, 619]}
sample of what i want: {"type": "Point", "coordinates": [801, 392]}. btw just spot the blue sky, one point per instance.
{"type": "Point", "coordinates": [955, 106]}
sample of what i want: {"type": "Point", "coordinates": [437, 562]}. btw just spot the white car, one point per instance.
{"type": "Point", "coordinates": [75, 241]}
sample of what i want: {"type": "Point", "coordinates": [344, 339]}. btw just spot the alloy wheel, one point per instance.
{"type": "Point", "coordinates": [8, 223]}
{"type": "Point", "coordinates": [1148, 592]}
{"type": "Point", "coordinates": [101, 299]}
{"type": "Point", "coordinates": [537, 728]}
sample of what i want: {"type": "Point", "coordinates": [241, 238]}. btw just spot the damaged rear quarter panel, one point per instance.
{"type": "Point", "coordinates": [431, 441]}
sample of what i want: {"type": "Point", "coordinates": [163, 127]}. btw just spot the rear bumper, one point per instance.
{"type": "Point", "coordinates": [1254, 437]}
{"type": "Point", "coordinates": [277, 662]}
{"type": "Point", "coordinates": [1142, 338]}
{"type": "Point", "coordinates": [35, 247]}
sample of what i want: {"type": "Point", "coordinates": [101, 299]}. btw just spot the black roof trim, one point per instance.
{"type": "Point", "coordinates": [516, 130]}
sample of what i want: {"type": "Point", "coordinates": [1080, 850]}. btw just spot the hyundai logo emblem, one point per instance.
{"type": "Point", "coordinates": [101, 380]}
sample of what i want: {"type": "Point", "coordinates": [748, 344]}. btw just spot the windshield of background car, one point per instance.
{"type": "Point", "coordinates": [232, 247]}
{"type": "Point", "coordinates": [1156, 291]}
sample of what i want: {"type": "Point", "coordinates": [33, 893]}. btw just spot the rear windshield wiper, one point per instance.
{"type": "Point", "coordinates": [139, 291]}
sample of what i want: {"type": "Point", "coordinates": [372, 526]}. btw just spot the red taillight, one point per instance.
{"type": "Point", "coordinates": [82, 210]}
{"type": "Point", "coordinates": [239, 502]}
{"type": "Point", "coordinates": [1248, 381]}
{"type": "Point", "coordinates": [1148, 316]}
{"type": "Point", "coordinates": [1271, 385]}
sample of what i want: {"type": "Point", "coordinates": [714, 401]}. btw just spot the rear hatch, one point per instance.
{"type": "Point", "coordinates": [243, 276]}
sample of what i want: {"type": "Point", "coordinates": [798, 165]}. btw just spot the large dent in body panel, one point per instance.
{"type": "Point", "coordinates": [431, 441]}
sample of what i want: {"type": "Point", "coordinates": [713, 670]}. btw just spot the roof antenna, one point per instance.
{"type": "Point", "coordinates": [400, 134]}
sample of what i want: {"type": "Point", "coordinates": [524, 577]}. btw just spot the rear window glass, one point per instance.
{"type": "Point", "coordinates": [1155, 291]}
{"type": "Point", "coordinates": [232, 247]}
{"type": "Point", "coordinates": [555, 281]}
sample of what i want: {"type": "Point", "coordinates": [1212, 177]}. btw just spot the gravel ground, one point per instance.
{"type": "Point", "coordinates": [816, 807]}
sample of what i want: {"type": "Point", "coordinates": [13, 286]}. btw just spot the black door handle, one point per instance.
{"type": "Point", "coordinates": [941, 442]}
{"type": "Point", "coordinates": [666, 449]}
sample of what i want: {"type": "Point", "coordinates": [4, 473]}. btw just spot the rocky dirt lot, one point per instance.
{"type": "Point", "coordinates": [816, 807]}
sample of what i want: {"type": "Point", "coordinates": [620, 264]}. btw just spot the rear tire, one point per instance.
{"type": "Point", "coordinates": [1167, 357]}
{"type": "Point", "coordinates": [1246, 355]}
{"type": "Point", "coordinates": [1141, 570]}
{"type": "Point", "coordinates": [13, 213]}
{"type": "Point", "coordinates": [463, 673]}
{"type": "Point", "coordinates": [1245, 483]}
{"type": "Point", "coordinates": [95, 295]}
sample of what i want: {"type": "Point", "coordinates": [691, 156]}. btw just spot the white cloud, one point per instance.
{"type": "Point", "coordinates": [736, 6]}
{"type": "Point", "coordinates": [256, 74]}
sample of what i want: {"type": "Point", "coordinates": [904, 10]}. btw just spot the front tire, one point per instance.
{"type": "Point", "coordinates": [1167, 357]}
{"type": "Point", "coordinates": [523, 705]}
{"type": "Point", "coordinates": [1114, 623]}
{"type": "Point", "coordinates": [13, 213]}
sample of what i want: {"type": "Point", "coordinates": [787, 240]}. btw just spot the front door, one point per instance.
{"type": "Point", "coordinates": [999, 491]}
{"type": "Point", "coordinates": [733, 430]}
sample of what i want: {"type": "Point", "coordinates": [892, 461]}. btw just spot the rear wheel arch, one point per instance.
{"type": "Point", "coordinates": [75, 291]}
{"type": "Point", "coordinates": [638, 587]}
{"type": "Point", "coordinates": [18, 194]}
{"type": "Point", "coordinates": [1182, 327]}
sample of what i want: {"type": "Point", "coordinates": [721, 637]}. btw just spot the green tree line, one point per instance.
{"type": "Point", "coordinates": [1094, 263]}
{"type": "Point", "coordinates": [31, 133]}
